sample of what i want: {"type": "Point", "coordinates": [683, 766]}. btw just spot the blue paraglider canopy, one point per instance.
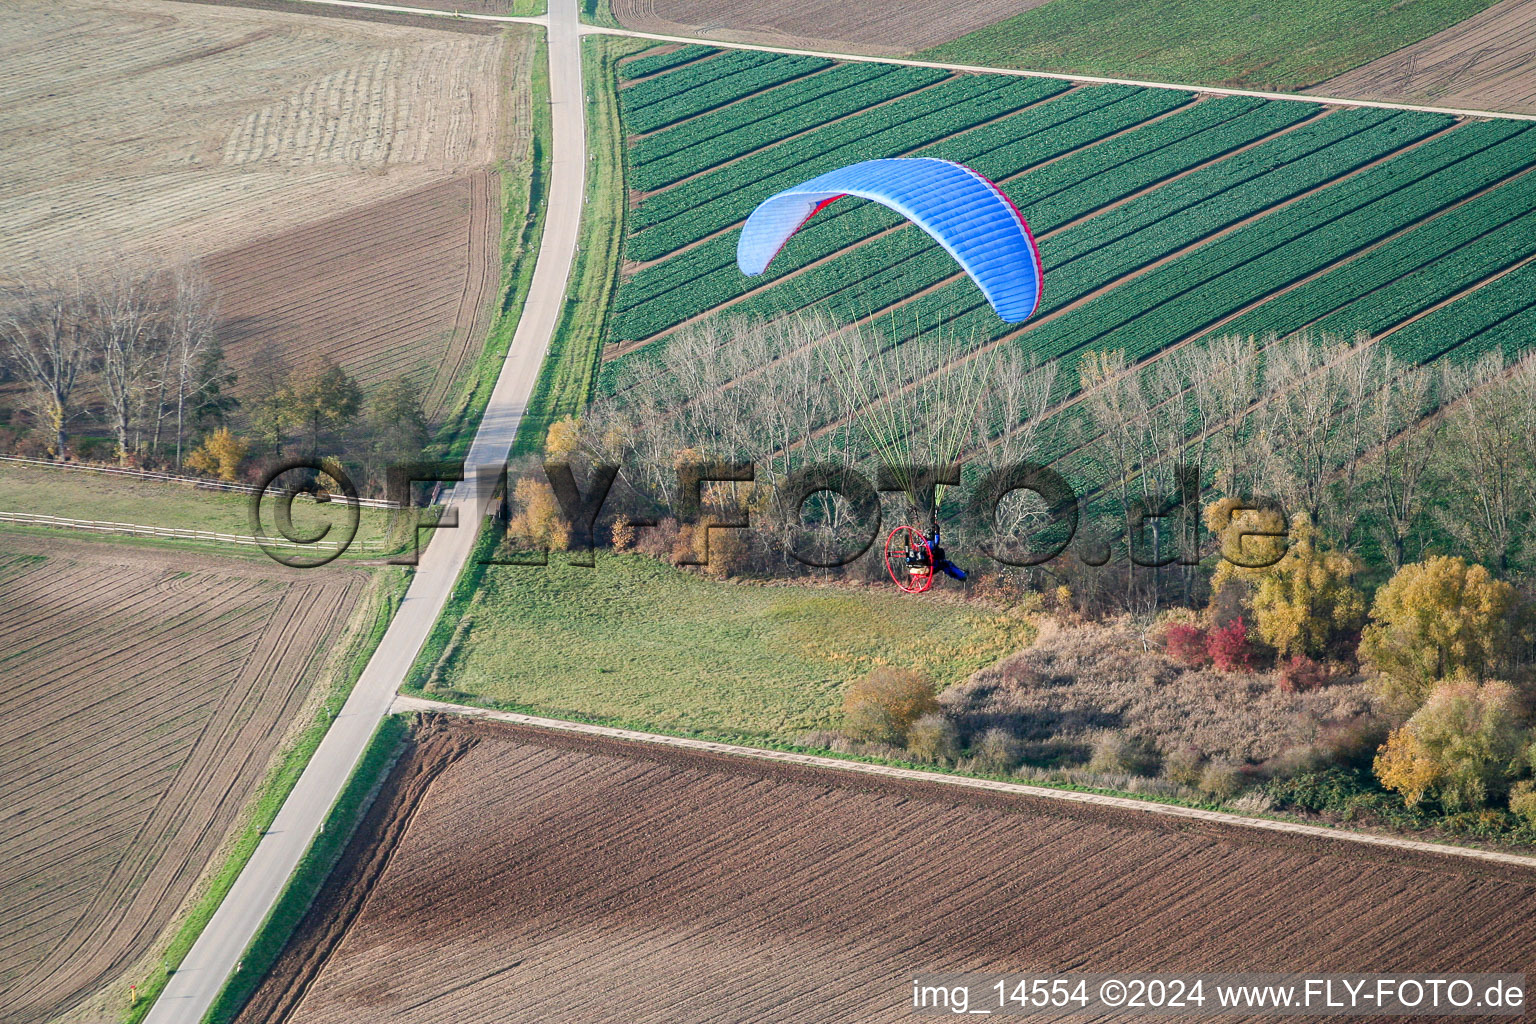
{"type": "Point", "coordinates": [963, 211]}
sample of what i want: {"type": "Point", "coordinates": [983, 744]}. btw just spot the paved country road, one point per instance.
{"type": "Point", "coordinates": [193, 987]}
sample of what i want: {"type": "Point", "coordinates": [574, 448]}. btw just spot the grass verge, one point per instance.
{"type": "Point", "coordinates": [1257, 44]}
{"type": "Point", "coordinates": [84, 495]}
{"type": "Point", "coordinates": [599, 12]}
{"type": "Point", "coordinates": [525, 191]}
{"type": "Point", "coordinates": [313, 869]}
{"type": "Point", "coordinates": [275, 788]}
{"type": "Point", "coordinates": [569, 370]}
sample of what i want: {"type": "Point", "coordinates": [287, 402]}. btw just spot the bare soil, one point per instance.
{"type": "Point", "coordinates": [142, 696]}
{"type": "Point", "coordinates": [1487, 62]}
{"type": "Point", "coordinates": [881, 29]}
{"type": "Point", "coordinates": [400, 287]}
{"type": "Point", "coordinates": [185, 129]}
{"type": "Point", "coordinates": [513, 874]}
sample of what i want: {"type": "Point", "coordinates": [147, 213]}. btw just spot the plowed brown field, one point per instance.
{"type": "Point", "coordinates": [876, 28]}
{"type": "Point", "coordinates": [512, 874]}
{"type": "Point", "coordinates": [1487, 62]}
{"type": "Point", "coordinates": [142, 696]}
{"type": "Point", "coordinates": [403, 286]}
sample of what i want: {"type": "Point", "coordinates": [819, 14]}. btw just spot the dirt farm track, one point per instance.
{"type": "Point", "coordinates": [142, 694]}
{"type": "Point", "coordinates": [514, 874]}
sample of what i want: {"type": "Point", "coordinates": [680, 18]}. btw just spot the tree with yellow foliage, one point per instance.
{"type": "Point", "coordinates": [1439, 618]}
{"type": "Point", "coordinates": [220, 454]}
{"type": "Point", "coordinates": [539, 521]}
{"type": "Point", "coordinates": [1458, 747]}
{"type": "Point", "coordinates": [1304, 603]}
{"type": "Point", "coordinates": [563, 438]}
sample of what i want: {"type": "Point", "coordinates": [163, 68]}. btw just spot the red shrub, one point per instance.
{"type": "Point", "coordinates": [1186, 644]}
{"type": "Point", "coordinates": [1230, 648]}
{"type": "Point", "coordinates": [1299, 674]}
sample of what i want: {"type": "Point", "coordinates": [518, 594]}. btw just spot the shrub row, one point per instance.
{"type": "Point", "coordinates": [711, 139]}
{"type": "Point", "coordinates": [721, 91]}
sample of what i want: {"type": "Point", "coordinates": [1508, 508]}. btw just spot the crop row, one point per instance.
{"type": "Point", "coordinates": [1490, 308]}
{"type": "Point", "coordinates": [1174, 301]}
{"type": "Point", "coordinates": [1411, 272]}
{"type": "Point", "coordinates": [1159, 223]}
{"type": "Point", "coordinates": [1248, 182]}
{"type": "Point", "coordinates": [1139, 158]}
{"type": "Point", "coordinates": [721, 91]}
{"type": "Point", "coordinates": [658, 160]}
{"type": "Point", "coordinates": [686, 268]}
{"type": "Point", "coordinates": [1052, 129]}
{"type": "Point", "coordinates": [706, 204]}
{"type": "Point", "coordinates": [642, 66]}
{"type": "Point", "coordinates": [1306, 237]}
{"type": "Point", "coordinates": [1055, 194]}
{"type": "Point", "coordinates": [674, 83]}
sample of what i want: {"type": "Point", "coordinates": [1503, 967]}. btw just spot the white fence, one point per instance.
{"type": "Point", "coordinates": [147, 474]}
{"type": "Point", "coordinates": [173, 533]}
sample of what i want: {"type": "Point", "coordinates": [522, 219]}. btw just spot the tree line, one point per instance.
{"type": "Point", "coordinates": [132, 350]}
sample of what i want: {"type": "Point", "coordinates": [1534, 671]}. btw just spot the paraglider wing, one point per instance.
{"type": "Point", "coordinates": [963, 211]}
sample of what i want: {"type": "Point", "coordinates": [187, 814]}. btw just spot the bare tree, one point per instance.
{"type": "Point", "coordinates": [1224, 385]}
{"type": "Point", "coordinates": [43, 330]}
{"type": "Point", "coordinates": [1405, 448]}
{"type": "Point", "coordinates": [1303, 419]}
{"type": "Point", "coordinates": [1486, 457]}
{"type": "Point", "coordinates": [190, 366]}
{"type": "Point", "coordinates": [125, 333]}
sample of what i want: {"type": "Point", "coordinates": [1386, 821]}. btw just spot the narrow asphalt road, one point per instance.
{"type": "Point", "coordinates": [193, 987]}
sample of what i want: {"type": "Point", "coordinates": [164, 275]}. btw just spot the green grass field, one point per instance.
{"type": "Point", "coordinates": [1255, 44]}
{"type": "Point", "coordinates": [639, 643]}
{"type": "Point", "coordinates": [103, 497]}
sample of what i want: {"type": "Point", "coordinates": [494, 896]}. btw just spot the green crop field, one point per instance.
{"type": "Point", "coordinates": [1257, 44]}
{"type": "Point", "coordinates": [637, 642]}
{"type": "Point", "coordinates": [1161, 215]}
